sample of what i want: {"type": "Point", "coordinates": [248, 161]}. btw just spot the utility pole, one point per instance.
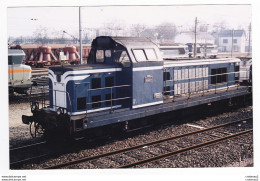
{"type": "Point", "coordinates": [249, 43]}
{"type": "Point", "coordinates": [195, 44]}
{"type": "Point", "coordinates": [232, 43]}
{"type": "Point", "coordinates": [80, 39]}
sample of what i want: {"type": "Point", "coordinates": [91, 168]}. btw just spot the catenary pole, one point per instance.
{"type": "Point", "coordinates": [80, 39]}
{"type": "Point", "coordinates": [195, 44]}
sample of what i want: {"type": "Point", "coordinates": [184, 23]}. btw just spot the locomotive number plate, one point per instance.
{"type": "Point", "coordinates": [157, 95]}
{"type": "Point", "coordinates": [148, 78]}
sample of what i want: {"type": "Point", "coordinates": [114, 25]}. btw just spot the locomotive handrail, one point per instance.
{"type": "Point", "coordinates": [109, 100]}
{"type": "Point", "coordinates": [110, 87]}
{"type": "Point", "coordinates": [67, 94]}
{"type": "Point", "coordinates": [189, 88]}
{"type": "Point", "coordinates": [195, 77]}
{"type": "Point", "coordinates": [111, 95]}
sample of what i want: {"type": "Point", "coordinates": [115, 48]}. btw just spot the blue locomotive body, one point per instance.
{"type": "Point", "coordinates": [126, 78]}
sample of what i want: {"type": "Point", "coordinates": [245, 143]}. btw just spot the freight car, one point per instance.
{"type": "Point", "coordinates": [39, 55]}
{"type": "Point", "coordinates": [19, 75]}
{"type": "Point", "coordinates": [126, 79]}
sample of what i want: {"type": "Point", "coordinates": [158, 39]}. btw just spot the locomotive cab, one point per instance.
{"type": "Point", "coordinates": [141, 63]}
{"type": "Point", "coordinates": [19, 75]}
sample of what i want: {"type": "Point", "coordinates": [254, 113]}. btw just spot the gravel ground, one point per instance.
{"type": "Point", "coordinates": [19, 134]}
{"type": "Point", "coordinates": [233, 151]}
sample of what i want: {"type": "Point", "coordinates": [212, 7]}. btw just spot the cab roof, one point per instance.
{"type": "Point", "coordinates": [124, 41]}
{"type": "Point", "coordinates": [15, 52]}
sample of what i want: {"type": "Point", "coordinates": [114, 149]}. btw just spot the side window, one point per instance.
{"type": "Point", "coordinates": [124, 59]}
{"type": "Point", "coordinates": [17, 60]}
{"type": "Point", "coordinates": [225, 40]}
{"type": "Point", "coordinates": [150, 53]}
{"type": "Point", "coordinates": [100, 56]}
{"type": "Point", "coordinates": [145, 54]}
{"type": "Point", "coordinates": [139, 55]}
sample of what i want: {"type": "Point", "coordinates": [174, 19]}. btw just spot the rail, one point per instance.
{"type": "Point", "coordinates": [166, 155]}
{"type": "Point", "coordinates": [140, 146]}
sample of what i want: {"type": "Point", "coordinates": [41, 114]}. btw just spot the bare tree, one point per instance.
{"type": "Point", "coordinates": [112, 29]}
{"type": "Point", "coordinates": [166, 32]}
{"type": "Point", "coordinates": [41, 35]}
{"type": "Point", "coordinates": [220, 26]}
{"type": "Point", "coordinates": [137, 29]}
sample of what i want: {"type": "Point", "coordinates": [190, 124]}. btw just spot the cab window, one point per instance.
{"type": "Point", "coordinates": [139, 55]}
{"type": "Point", "coordinates": [124, 59]}
{"type": "Point", "coordinates": [121, 56]}
{"type": "Point", "coordinates": [100, 56]}
{"type": "Point", "coordinates": [10, 62]}
{"type": "Point", "coordinates": [150, 54]}
{"type": "Point", "coordinates": [145, 54]}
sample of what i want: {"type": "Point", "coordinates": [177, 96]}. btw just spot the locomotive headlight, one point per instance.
{"type": "Point", "coordinates": [58, 111]}
{"type": "Point", "coordinates": [33, 107]}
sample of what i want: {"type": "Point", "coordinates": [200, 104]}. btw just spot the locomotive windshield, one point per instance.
{"type": "Point", "coordinates": [109, 57]}
{"type": "Point", "coordinates": [100, 56]}
{"type": "Point", "coordinates": [15, 57]}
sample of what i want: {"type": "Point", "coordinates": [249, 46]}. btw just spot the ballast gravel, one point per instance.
{"type": "Point", "coordinates": [221, 155]}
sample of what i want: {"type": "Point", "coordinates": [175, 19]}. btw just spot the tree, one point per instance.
{"type": "Point", "coordinates": [137, 29]}
{"type": "Point", "coordinates": [112, 29]}
{"type": "Point", "coordinates": [41, 35]}
{"type": "Point", "coordinates": [166, 31]}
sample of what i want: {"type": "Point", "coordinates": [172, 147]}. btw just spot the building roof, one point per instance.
{"type": "Point", "coordinates": [228, 33]}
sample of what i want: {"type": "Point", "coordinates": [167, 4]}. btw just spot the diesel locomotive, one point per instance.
{"type": "Point", "coordinates": [126, 78]}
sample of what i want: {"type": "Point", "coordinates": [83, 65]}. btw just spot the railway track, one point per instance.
{"type": "Point", "coordinates": [40, 83]}
{"type": "Point", "coordinates": [140, 150]}
{"type": "Point", "coordinates": [37, 72]}
{"type": "Point", "coordinates": [18, 155]}
{"type": "Point", "coordinates": [36, 93]}
{"type": "Point", "coordinates": [182, 150]}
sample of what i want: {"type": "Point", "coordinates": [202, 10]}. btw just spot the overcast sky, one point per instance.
{"type": "Point", "coordinates": [66, 18]}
